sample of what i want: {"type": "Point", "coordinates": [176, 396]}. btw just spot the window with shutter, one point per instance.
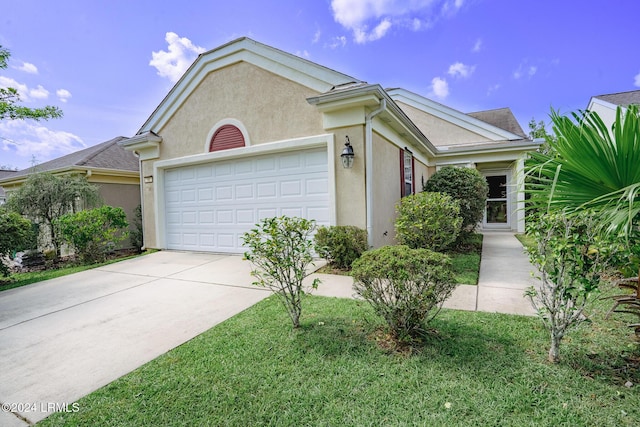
{"type": "Point", "coordinates": [407, 166]}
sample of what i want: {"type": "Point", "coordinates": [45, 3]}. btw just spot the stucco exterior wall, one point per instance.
{"type": "Point", "coordinates": [270, 107]}
{"type": "Point", "coordinates": [606, 113]}
{"type": "Point", "coordinates": [125, 196]}
{"type": "Point", "coordinates": [386, 190]}
{"type": "Point", "coordinates": [438, 131]}
{"type": "Point", "coordinates": [148, 208]}
{"type": "Point", "coordinates": [351, 202]}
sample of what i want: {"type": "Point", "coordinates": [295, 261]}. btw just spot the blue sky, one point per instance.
{"type": "Point", "coordinates": [108, 64]}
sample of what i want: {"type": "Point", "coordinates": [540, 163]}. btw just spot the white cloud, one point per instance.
{"type": "Point", "coordinates": [26, 94]}
{"type": "Point", "coordinates": [477, 46]}
{"type": "Point", "coordinates": [460, 70]}
{"type": "Point", "coordinates": [39, 93]}
{"type": "Point", "coordinates": [637, 80]}
{"type": "Point", "coordinates": [439, 88]}
{"type": "Point", "coordinates": [32, 139]}
{"type": "Point", "coordinates": [63, 95]}
{"type": "Point", "coordinates": [371, 20]}
{"type": "Point", "coordinates": [492, 89]}
{"type": "Point", "coordinates": [174, 62]}
{"type": "Point", "coordinates": [28, 68]}
{"type": "Point", "coordinates": [362, 36]}
{"type": "Point", "coordinates": [524, 69]}
{"type": "Point", "coordinates": [303, 54]}
{"type": "Point", "coordinates": [316, 36]}
{"type": "Point", "coordinates": [338, 42]}
{"type": "Point", "coordinates": [23, 90]}
{"type": "Point", "coordinates": [451, 6]}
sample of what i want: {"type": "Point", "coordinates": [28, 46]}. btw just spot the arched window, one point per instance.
{"type": "Point", "coordinates": [227, 136]}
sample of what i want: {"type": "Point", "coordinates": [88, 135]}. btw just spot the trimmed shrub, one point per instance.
{"type": "Point", "coordinates": [465, 185]}
{"type": "Point", "coordinates": [341, 244]}
{"type": "Point", "coordinates": [281, 249]}
{"type": "Point", "coordinates": [405, 286]}
{"type": "Point", "coordinates": [428, 220]}
{"type": "Point", "coordinates": [93, 233]}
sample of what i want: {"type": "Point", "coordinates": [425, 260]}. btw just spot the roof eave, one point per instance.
{"type": "Point", "coordinates": [371, 95]}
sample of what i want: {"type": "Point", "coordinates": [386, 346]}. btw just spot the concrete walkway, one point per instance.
{"type": "Point", "coordinates": [505, 273]}
{"type": "Point", "coordinates": [64, 338]}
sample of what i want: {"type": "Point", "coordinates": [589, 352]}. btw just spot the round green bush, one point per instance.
{"type": "Point", "coordinates": [428, 220]}
{"type": "Point", "coordinates": [405, 286]}
{"type": "Point", "coordinates": [341, 244]}
{"type": "Point", "coordinates": [465, 185]}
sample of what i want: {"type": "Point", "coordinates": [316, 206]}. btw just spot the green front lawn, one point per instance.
{"type": "Point", "coordinates": [480, 369]}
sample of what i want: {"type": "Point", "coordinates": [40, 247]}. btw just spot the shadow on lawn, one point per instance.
{"type": "Point", "coordinates": [470, 346]}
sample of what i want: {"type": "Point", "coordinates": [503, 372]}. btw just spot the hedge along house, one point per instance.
{"type": "Point", "coordinates": [251, 132]}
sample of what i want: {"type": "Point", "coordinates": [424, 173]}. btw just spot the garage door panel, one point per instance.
{"type": "Point", "coordinates": [210, 207]}
{"type": "Point", "coordinates": [266, 190]}
{"type": "Point", "coordinates": [224, 192]}
{"type": "Point", "coordinates": [290, 188]}
{"type": "Point", "coordinates": [244, 191]}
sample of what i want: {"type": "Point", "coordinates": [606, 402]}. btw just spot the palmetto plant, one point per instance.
{"type": "Point", "coordinates": [591, 167]}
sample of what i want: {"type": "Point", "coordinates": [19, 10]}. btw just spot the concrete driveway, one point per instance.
{"type": "Point", "coordinates": [64, 338]}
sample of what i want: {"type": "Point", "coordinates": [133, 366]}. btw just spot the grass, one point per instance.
{"type": "Point", "coordinates": [17, 280]}
{"type": "Point", "coordinates": [480, 369]}
{"type": "Point", "coordinates": [466, 268]}
{"type": "Point", "coordinates": [526, 240]}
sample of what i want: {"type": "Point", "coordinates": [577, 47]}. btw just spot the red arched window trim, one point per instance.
{"type": "Point", "coordinates": [226, 137]}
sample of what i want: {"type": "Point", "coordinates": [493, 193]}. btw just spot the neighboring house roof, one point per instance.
{"type": "Point", "coordinates": [623, 99]}
{"type": "Point", "coordinates": [105, 156]}
{"type": "Point", "coordinates": [502, 118]}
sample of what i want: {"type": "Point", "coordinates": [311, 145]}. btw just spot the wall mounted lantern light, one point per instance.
{"type": "Point", "coordinates": [347, 154]}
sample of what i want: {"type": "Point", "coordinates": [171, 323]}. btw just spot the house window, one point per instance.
{"type": "Point", "coordinates": [226, 137]}
{"type": "Point", "coordinates": [407, 175]}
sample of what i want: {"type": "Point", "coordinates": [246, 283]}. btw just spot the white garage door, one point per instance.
{"type": "Point", "coordinates": [209, 207]}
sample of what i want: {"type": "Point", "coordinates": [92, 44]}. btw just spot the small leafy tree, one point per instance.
{"type": "Point", "coordinates": [281, 249]}
{"type": "Point", "coordinates": [45, 197]}
{"type": "Point", "coordinates": [93, 233]}
{"type": "Point", "coordinates": [428, 220]}
{"type": "Point", "coordinates": [465, 185]}
{"type": "Point", "coordinates": [15, 235]}
{"type": "Point", "coordinates": [341, 244]}
{"type": "Point", "coordinates": [570, 257]}
{"type": "Point", "coordinates": [404, 286]}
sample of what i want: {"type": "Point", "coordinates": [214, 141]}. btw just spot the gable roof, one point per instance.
{"type": "Point", "coordinates": [623, 99]}
{"type": "Point", "coordinates": [502, 118]}
{"type": "Point", "coordinates": [466, 121]}
{"type": "Point", "coordinates": [300, 70]}
{"type": "Point", "coordinates": [107, 155]}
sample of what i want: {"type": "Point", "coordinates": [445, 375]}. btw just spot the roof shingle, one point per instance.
{"type": "Point", "coordinates": [502, 118]}
{"type": "Point", "coordinates": [107, 155]}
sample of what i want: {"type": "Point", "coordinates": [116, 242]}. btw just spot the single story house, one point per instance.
{"type": "Point", "coordinates": [250, 132]}
{"type": "Point", "coordinates": [606, 105]}
{"type": "Point", "coordinates": [4, 174]}
{"type": "Point", "coordinates": [107, 165]}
